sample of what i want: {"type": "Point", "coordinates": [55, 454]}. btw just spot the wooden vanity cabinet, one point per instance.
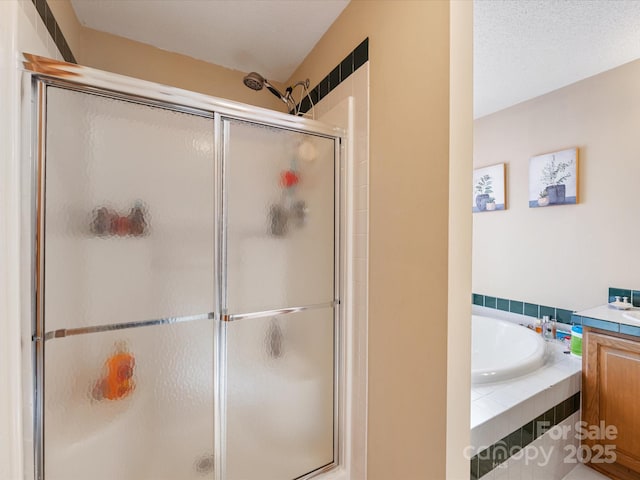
{"type": "Point", "coordinates": [611, 394]}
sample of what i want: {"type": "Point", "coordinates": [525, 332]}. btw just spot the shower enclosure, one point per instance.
{"type": "Point", "coordinates": [186, 267]}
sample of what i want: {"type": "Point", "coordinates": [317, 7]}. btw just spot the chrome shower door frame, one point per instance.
{"type": "Point", "coordinates": [41, 73]}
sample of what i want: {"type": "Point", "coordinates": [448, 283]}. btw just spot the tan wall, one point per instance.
{"type": "Point", "coordinates": [564, 256]}
{"type": "Point", "coordinates": [409, 185]}
{"type": "Point", "coordinates": [112, 53]}
{"type": "Point", "coordinates": [460, 227]}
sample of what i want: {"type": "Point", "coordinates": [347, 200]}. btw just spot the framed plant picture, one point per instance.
{"type": "Point", "coordinates": [553, 179]}
{"type": "Point", "coordinates": [489, 188]}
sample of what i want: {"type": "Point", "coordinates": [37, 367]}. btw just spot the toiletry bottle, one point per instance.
{"type": "Point", "coordinates": [554, 329]}
{"type": "Point", "coordinates": [538, 326]}
{"type": "Point", "coordinates": [545, 326]}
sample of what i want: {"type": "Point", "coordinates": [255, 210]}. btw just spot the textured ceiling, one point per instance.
{"type": "Point", "coordinates": [525, 48]}
{"type": "Point", "coordinates": [271, 37]}
{"type": "Point", "coordinates": [522, 48]}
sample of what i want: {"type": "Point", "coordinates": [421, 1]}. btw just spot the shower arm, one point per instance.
{"type": "Point", "coordinates": [305, 92]}
{"type": "Point", "coordinates": [255, 81]}
{"type": "Point", "coordinates": [286, 98]}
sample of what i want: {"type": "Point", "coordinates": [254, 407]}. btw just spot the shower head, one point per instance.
{"type": "Point", "coordinates": [255, 81]}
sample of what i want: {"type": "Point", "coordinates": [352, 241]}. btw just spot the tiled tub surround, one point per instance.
{"type": "Point", "coordinates": [506, 410]}
{"type": "Point", "coordinates": [549, 457]}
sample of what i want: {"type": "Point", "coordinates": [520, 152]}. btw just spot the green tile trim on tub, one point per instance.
{"type": "Point", "coordinates": [490, 302]}
{"type": "Point", "coordinates": [523, 308]}
{"type": "Point", "coordinates": [516, 307]}
{"type": "Point", "coordinates": [502, 304]}
{"type": "Point", "coordinates": [498, 453]}
{"type": "Point", "coordinates": [532, 310]}
{"type": "Point", "coordinates": [547, 311]}
{"type": "Point", "coordinates": [563, 316]}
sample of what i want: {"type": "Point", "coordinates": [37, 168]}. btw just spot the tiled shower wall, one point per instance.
{"type": "Point", "coordinates": [47, 26]}
{"type": "Point", "coordinates": [21, 30]}
{"type": "Point", "coordinates": [353, 93]}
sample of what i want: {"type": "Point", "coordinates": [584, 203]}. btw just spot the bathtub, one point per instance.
{"type": "Point", "coordinates": [501, 350]}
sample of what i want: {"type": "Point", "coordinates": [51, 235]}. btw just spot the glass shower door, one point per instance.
{"type": "Point", "coordinates": [128, 291]}
{"type": "Point", "coordinates": [279, 396]}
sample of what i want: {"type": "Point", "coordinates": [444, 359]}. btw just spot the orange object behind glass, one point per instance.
{"type": "Point", "coordinates": [117, 381]}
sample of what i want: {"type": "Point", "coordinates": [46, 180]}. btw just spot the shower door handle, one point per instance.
{"type": "Point", "coordinates": [233, 317]}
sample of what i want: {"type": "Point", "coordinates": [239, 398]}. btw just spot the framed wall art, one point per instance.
{"type": "Point", "coordinates": [489, 188]}
{"type": "Point", "coordinates": [553, 179]}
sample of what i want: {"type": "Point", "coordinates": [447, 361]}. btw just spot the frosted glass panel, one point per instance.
{"type": "Point", "coordinates": [129, 212]}
{"type": "Point", "coordinates": [280, 237]}
{"type": "Point", "coordinates": [131, 404]}
{"type": "Point", "coordinates": [279, 399]}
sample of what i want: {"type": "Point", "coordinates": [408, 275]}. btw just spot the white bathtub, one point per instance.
{"type": "Point", "coordinates": [501, 350]}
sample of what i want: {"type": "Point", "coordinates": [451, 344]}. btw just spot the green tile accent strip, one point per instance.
{"type": "Point", "coordinates": [55, 32]}
{"type": "Point", "coordinates": [516, 307]}
{"type": "Point", "coordinates": [560, 314]}
{"type": "Point", "coordinates": [635, 298]}
{"type": "Point", "coordinates": [532, 310]}
{"type": "Point", "coordinates": [633, 295]}
{"type": "Point", "coordinates": [550, 311]}
{"type": "Point", "coordinates": [498, 453]}
{"type": "Point", "coordinates": [618, 292]}
{"type": "Point", "coordinates": [523, 308]}
{"type": "Point", "coordinates": [503, 304]}
{"type": "Point", "coordinates": [474, 468]}
{"type": "Point", "coordinates": [563, 316]}
{"type": "Point", "coordinates": [528, 433]}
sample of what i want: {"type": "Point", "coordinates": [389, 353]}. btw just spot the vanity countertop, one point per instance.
{"type": "Point", "coordinates": [614, 316]}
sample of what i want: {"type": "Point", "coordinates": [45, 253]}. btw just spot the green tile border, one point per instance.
{"type": "Point", "coordinates": [532, 310]}
{"type": "Point", "coordinates": [523, 308]}
{"type": "Point", "coordinates": [502, 304]}
{"type": "Point", "coordinates": [498, 453]}
{"type": "Point", "coordinates": [633, 295]}
{"type": "Point", "coordinates": [516, 307]}
{"type": "Point", "coordinates": [561, 315]}
{"type": "Point", "coordinates": [489, 302]}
